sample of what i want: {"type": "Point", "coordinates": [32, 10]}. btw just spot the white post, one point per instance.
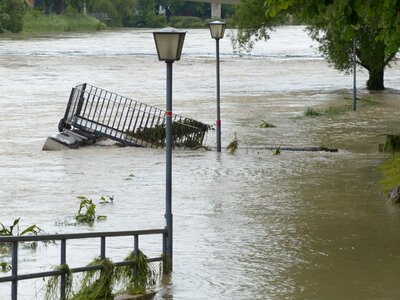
{"type": "Point", "coordinates": [215, 10]}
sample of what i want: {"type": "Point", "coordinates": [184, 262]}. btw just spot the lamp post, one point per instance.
{"type": "Point", "coordinates": [169, 44]}
{"type": "Point", "coordinates": [217, 30]}
{"type": "Point", "coordinates": [354, 56]}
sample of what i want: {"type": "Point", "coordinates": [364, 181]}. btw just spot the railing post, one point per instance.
{"type": "Point", "coordinates": [164, 246]}
{"type": "Point", "coordinates": [63, 262]}
{"type": "Point", "coordinates": [103, 248]}
{"type": "Point", "coordinates": [81, 99]}
{"type": "Point", "coordinates": [136, 245]}
{"type": "Point", "coordinates": [14, 271]}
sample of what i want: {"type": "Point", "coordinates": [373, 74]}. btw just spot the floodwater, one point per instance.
{"type": "Point", "coordinates": [299, 225]}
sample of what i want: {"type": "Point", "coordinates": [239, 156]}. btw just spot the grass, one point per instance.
{"type": "Point", "coordinates": [233, 146]}
{"type": "Point", "coordinates": [35, 22]}
{"type": "Point", "coordinates": [97, 284]}
{"type": "Point", "coordinates": [53, 285]}
{"type": "Point", "coordinates": [265, 124]}
{"type": "Point", "coordinates": [5, 267]}
{"type": "Point", "coordinates": [337, 110]}
{"type": "Point", "coordinates": [312, 112]}
{"type": "Point", "coordinates": [391, 172]}
{"type": "Point", "coordinates": [138, 277]}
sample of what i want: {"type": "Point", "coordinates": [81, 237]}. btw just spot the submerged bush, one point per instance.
{"type": "Point", "coordinates": [312, 112]}
{"type": "Point", "coordinates": [392, 143]}
{"type": "Point", "coordinates": [233, 146]}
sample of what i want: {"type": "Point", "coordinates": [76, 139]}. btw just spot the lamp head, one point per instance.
{"type": "Point", "coordinates": [169, 43]}
{"type": "Point", "coordinates": [217, 29]}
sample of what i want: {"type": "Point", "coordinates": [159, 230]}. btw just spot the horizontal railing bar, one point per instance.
{"type": "Point", "coordinates": [72, 270]}
{"type": "Point", "coordinates": [71, 236]}
{"type": "Point", "coordinates": [129, 106]}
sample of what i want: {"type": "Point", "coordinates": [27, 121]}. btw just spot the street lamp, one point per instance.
{"type": "Point", "coordinates": [169, 44]}
{"type": "Point", "coordinates": [217, 30]}
{"type": "Point", "coordinates": [354, 58]}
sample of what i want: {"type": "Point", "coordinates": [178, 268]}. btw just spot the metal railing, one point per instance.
{"type": "Point", "coordinates": [103, 113]}
{"type": "Point", "coordinates": [15, 240]}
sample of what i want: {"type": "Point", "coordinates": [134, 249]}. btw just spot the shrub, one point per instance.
{"type": "Point", "coordinates": [187, 22]}
{"type": "Point", "coordinates": [12, 15]}
{"type": "Point", "coordinates": [312, 112]}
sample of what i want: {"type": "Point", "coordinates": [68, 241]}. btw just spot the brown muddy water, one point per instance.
{"type": "Point", "coordinates": [299, 225]}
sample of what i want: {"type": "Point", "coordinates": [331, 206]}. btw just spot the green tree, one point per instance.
{"type": "Point", "coordinates": [171, 6]}
{"type": "Point", "coordinates": [52, 6]}
{"type": "Point", "coordinates": [200, 10]}
{"type": "Point", "coordinates": [12, 15]}
{"type": "Point", "coordinates": [333, 23]}
{"type": "Point", "coordinates": [107, 7]}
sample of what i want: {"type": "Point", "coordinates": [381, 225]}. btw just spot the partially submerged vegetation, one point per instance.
{"type": "Point", "coordinates": [138, 277]}
{"type": "Point", "coordinates": [391, 171]}
{"type": "Point", "coordinates": [265, 124]}
{"type": "Point", "coordinates": [336, 110]}
{"type": "Point", "coordinates": [392, 143]}
{"type": "Point", "coordinates": [53, 285]}
{"type": "Point", "coordinates": [233, 146]}
{"type": "Point", "coordinates": [87, 209]}
{"type": "Point", "coordinates": [97, 284]}
{"type": "Point", "coordinates": [186, 133]}
{"type": "Point", "coordinates": [13, 230]}
{"type": "Point", "coordinates": [391, 166]}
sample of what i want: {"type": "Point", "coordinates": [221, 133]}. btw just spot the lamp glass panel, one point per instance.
{"type": "Point", "coordinates": [168, 46]}
{"type": "Point", "coordinates": [217, 30]}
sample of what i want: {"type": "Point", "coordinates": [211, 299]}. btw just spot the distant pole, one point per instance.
{"type": "Point", "coordinates": [218, 122]}
{"type": "Point", "coordinates": [354, 75]}
{"type": "Point", "coordinates": [84, 8]}
{"type": "Point", "coordinates": [217, 30]}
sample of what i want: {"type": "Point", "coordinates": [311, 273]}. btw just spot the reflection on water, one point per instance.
{"type": "Point", "coordinates": [300, 225]}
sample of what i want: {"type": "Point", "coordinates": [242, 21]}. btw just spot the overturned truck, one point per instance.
{"type": "Point", "coordinates": [93, 113]}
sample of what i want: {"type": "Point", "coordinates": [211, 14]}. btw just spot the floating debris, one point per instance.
{"type": "Point", "coordinates": [93, 113]}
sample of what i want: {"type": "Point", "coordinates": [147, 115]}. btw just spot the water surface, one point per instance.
{"type": "Point", "coordinates": [300, 225]}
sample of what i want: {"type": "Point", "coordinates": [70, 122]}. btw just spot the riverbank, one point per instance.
{"type": "Point", "coordinates": [391, 171]}
{"type": "Point", "coordinates": [39, 23]}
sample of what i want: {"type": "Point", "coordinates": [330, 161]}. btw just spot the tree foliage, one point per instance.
{"type": "Point", "coordinates": [334, 24]}
{"type": "Point", "coordinates": [11, 15]}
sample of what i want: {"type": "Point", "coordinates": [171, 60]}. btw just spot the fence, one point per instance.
{"type": "Point", "coordinates": [15, 240]}
{"type": "Point", "coordinates": [103, 113]}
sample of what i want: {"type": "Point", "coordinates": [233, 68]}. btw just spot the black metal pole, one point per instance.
{"type": "Point", "coordinates": [354, 76]}
{"type": "Point", "coordinates": [218, 122]}
{"type": "Point", "coordinates": [14, 271]}
{"type": "Point", "coordinates": [168, 129]}
{"type": "Point", "coordinates": [63, 261]}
